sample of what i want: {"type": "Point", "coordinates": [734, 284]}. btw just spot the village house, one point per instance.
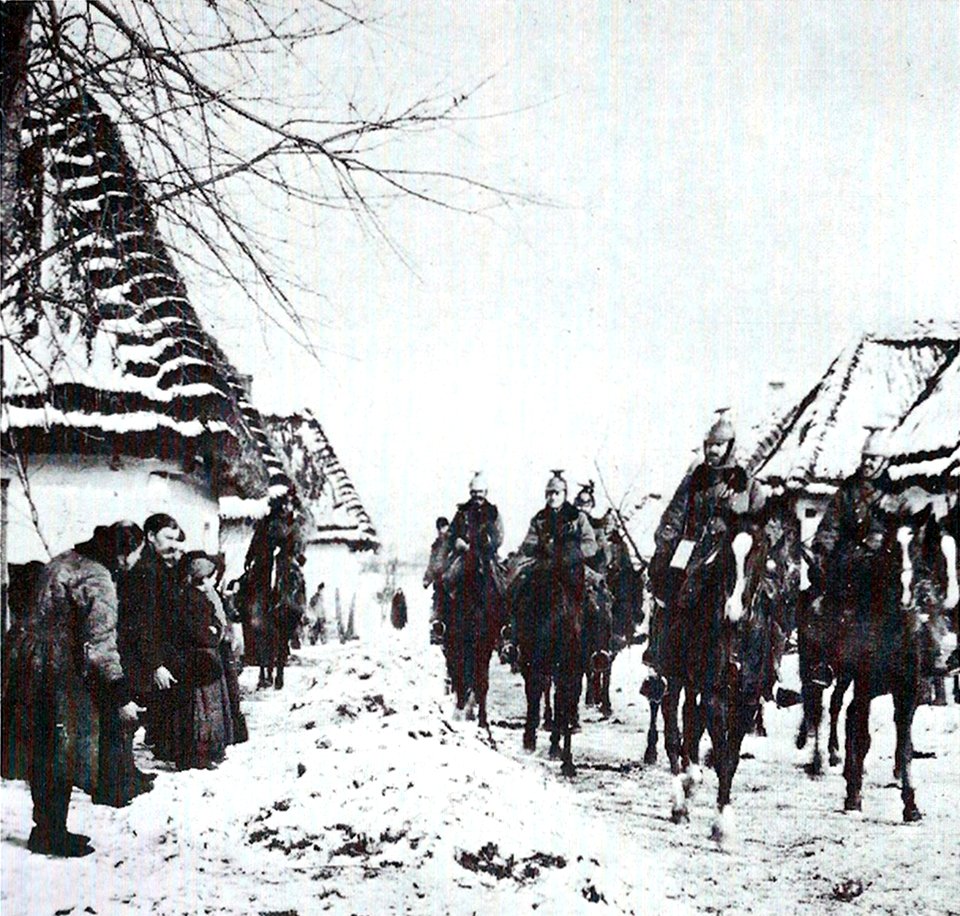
{"type": "Point", "coordinates": [905, 381]}
{"type": "Point", "coordinates": [116, 401]}
{"type": "Point", "coordinates": [338, 532]}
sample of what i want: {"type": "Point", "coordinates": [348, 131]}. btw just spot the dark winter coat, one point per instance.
{"type": "Point", "coordinates": [851, 533]}
{"type": "Point", "coordinates": [479, 525]}
{"type": "Point", "coordinates": [66, 657]}
{"type": "Point", "coordinates": [149, 635]}
{"type": "Point", "coordinates": [704, 494]}
{"type": "Point", "coordinates": [560, 537]}
{"type": "Point", "coordinates": [202, 629]}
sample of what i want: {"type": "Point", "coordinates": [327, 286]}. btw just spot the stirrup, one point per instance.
{"type": "Point", "coordinates": [822, 676]}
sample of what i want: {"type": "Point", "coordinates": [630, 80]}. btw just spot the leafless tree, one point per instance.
{"type": "Point", "coordinates": [190, 87]}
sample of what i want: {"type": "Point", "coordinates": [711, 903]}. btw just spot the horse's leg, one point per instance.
{"type": "Point", "coordinates": [561, 714]}
{"type": "Point", "coordinates": [904, 707]}
{"type": "Point", "coordinates": [836, 703]}
{"type": "Point", "coordinates": [281, 663]}
{"type": "Point", "coordinates": [956, 689]}
{"type": "Point", "coordinates": [693, 726]}
{"type": "Point", "coordinates": [483, 682]}
{"type": "Point", "coordinates": [650, 754]}
{"type": "Point", "coordinates": [547, 703]}
{"type": "Point", "coordinates": [857, 745]}
{"type": "Point", "coordinates": [812, 715]}
{"type": "Point", "coordinates": [533, 683]}
{"type": "Point", "coordinates": [262, 678]}
{"type": "Point", "coordinates": [570, 699]}
{"type": "Point", "coordinates": [606, 708]}
{"type": "Point", "coordinates": [671, 724]}
{"type": "Point", "coordinates": [759, 728]}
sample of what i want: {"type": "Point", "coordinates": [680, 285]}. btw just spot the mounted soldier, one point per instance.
{"type": "Point", "coordinates": [849, 539]}
{"type": "Point", "coordinates": [715, 486]}
{"type": "Point", "coordinates": [547, 595]}
{"type": "Point", "coordinates": [433, 576]}
{"type": "Point", "coordinates": [598, 646]}
{"type": "Point", "coordinates": [473, 588]}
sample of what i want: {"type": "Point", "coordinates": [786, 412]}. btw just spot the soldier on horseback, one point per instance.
{"type": "Point", "coordinates": [473, 597]}
{"type": "Point", "coordinates": [475, 536]}
{"type": "Point", "coordinates": [715, 485]}
{"type": "Point", "coordinates": [433, 576]}
{"type": "Point", "coordinates": [561, 533]}
{"type": "Point", "coordinates": [848, 541]}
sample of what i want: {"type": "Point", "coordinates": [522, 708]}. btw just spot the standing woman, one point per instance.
{"type": "Point", "coordinates": [207, 726]}
{"type": "Point", "coordinates": [70, 670]}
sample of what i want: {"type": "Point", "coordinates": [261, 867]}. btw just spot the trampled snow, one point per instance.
{"type": "Point", "coordinates": [360, 792]}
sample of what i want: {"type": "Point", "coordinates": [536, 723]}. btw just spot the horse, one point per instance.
{"type": "Point", "coordinates": [474, 614]}
{"type": "Point", "coordinates": [548, 601]}
{"type": "Point", "coordinates": [719, 638]}
{"type": "Point", "coordinates": [887, 636]}
{"type": "Point", "coordinates": [623, 590]}
{"type": "Point", "coordinates": [270, 596]}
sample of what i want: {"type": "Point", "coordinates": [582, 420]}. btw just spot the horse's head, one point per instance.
{"type": "Point", "coordinates": [926, 557]}
{"type": "Point", "coordinates": [749, 549]}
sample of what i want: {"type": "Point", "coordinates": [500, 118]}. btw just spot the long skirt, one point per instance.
{"type": "Point", "coordinates": [207, 725]}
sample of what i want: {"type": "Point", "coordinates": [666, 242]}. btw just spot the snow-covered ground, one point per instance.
{"type": "Point", "coordinates": [359, 792]}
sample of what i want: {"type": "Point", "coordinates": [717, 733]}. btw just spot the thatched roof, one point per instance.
{"type": "Point", "coordinates": [906, 380]}
{"type": "Point", "coordinates": [322, 483]}
{"type": "Point", "coordinates": [106, 353]}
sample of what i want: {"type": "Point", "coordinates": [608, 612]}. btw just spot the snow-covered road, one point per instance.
{"type": "Point", "coordinates": [360, 793]}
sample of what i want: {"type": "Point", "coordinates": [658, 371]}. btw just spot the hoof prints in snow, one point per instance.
{"type": "Point", "coordinates": [489, 861]}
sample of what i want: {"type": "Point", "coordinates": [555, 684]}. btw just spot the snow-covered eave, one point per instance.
{"type": "Point", "coordinates": [244, 508]}
{"type": "Point", "coordinates": [46, 418]}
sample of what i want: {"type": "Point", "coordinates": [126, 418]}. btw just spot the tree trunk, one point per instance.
{"type": "Point", "coordinates": [15, 40]}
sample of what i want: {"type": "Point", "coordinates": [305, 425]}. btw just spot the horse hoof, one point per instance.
{"type": "Point", "coordinates": [650, 756]}
{"type": "Point", "coordinates": [723, 829]}
{"type": "Point", "coordinates": [911, 814]}
{"type": "Point", "coordinates": [680, 816]}
{"type": "Point", "coordinates": [606, 712]}
{"type": "Point", "coordinates": [568, 769]}
{"type": "Point", "coordinates": [554, 752]}
{"type": "Point", "coordinates": [853, 804]}
{"type": "Point", "coordinates": [834, 759]}
{"type": "Point", "coordinates": [801, 741]}
{"type": "Point", "coordinates": [529, 742]}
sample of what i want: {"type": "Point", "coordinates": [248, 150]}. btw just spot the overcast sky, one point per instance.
{"type": "Point", "coordinates": [734, 192]}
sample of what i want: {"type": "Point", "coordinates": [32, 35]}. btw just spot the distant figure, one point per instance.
{"type": "Point", "coordinates": [398, 610]}
{"type": "Point", "coordinates": [317, 630]}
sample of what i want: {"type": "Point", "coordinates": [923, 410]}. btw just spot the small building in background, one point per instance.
{"type": "Point", "coordinates": [338, 533]}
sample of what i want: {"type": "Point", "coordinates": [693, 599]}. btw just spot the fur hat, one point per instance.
{"type": "Point", "coordinates": [478, 482]}
{"type": "Point", "coordinates": [722, 429]}
{"type": "Point", "coordinates": [586, 496]}
{"type": "Point", "coordinates": [877, 442]}
{"type": "Point", "coordinates": [556, 481]}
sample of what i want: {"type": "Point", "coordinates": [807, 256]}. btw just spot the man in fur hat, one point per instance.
{"type": "Point", "coordinates": [68, 667]}
{"type": "Point", "coordinates": [711, 487]}
{"type": "Point", "coordinates": [433, 576]}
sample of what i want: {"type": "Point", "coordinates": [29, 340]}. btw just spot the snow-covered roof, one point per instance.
{"type": "Point", "coordinates": [906, 380]}
{"type": "Point", "coordinates": [322, 483]}
{"type": "Point", "coordinates": [106, 353]}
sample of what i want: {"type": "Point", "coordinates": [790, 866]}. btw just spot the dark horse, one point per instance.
{"type": "Point", "coordinates": [884, 630]}
{"type": "Point", "coordinates": [270, 595]}
{"type": "Point", "coordinates": [624, 590]}
{"type": "Point", "coordinates": [548, 600]}
{"type": "Point", "coordinates": [719, 641]}
{"type": "Point", "coordinates": [473, 605]}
